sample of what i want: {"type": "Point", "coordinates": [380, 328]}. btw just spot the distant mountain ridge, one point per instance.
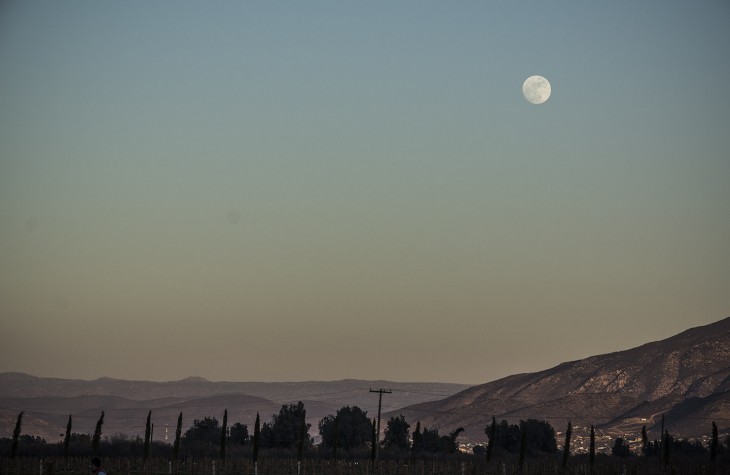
{"type": "Point", "coordinates": [686, 377]}
{"type": "Point", "coordinates": [25, 385]}
{"type": "Point", "coordinates": [49, 401]}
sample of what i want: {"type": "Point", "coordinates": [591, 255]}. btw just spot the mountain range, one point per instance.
{"type": "Point", "coordinates": [49, 401]}
{"type": "Point", "coordinates": [686, 378]}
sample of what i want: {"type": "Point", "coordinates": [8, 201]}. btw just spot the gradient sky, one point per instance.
{"type": "Point", "coordinates": [326, 190]}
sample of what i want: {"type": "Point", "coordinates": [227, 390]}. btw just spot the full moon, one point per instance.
{"type": "Point", "coordinates": [536, 89]}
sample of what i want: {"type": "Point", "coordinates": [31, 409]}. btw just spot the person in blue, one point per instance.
{"type": "Point", "coordinates": [96, 466]}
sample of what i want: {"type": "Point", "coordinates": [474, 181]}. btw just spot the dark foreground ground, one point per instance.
{"type": "Point", "coordinates": [283, 466]}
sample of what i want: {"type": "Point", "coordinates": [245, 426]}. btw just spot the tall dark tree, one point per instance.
{"type": "Point", "coordinates": [396, 433]}
{"type": "Point", "coordinates": [147, 436]}
{"type": "Point", "coordinates": [644, 442]}
{"type": "Point", "coordinates": [256, 439]}
{"type": "Point", "coordinates": [523, 446]}
{"type": "Point", "coordinates": [492, 433]}
{"type": "Point", "coordinates": [666, 444]}
{"type": "Point", "coordinates": [662, 432]}
{"type": "Point", "coordinates": [178, 434]}
{"type": "Point", "coordinates": [224, 434]}
{"type": "Point", "coordinates": [16, 435]}
{"type": "Point", "coordinates": [592, 450]}
{"type": "Point", "coordinates": [67, 438]}
{"type": "Point", "coordinates": [566, 448]}
{"type": "Point", "coordinates": [714, 443]}
{"type": "Point", "coordinates": [96, 440]}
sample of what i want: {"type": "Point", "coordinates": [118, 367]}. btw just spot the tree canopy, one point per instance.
{"type": "Point", "coordinates": [620, 448]}
{"type": "Point", "coordinates": [207, 429]}
{"type": "Point", "coordinates": [354, 428]}
{"type": "Point", "coordinates": [238, 433]}
{"type": "Point", "coordinates": [285, 427]}
{"type": "Point", "coordinates": [539, 436]}
{"type": "Point", "coordinates": [396, 433]}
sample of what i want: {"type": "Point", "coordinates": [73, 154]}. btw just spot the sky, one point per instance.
{"type": "Point", "coordinates": [288, 191]}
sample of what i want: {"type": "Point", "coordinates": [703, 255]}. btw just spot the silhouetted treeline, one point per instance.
{"type": "Point", "coordinates": [349, 435]}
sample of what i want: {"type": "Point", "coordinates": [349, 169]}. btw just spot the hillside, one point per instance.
{"type": "Point", "coordinates": [686, 377]}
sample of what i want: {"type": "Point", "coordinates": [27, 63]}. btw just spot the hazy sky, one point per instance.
{"type": "Point", "coordinates": [326, 190]}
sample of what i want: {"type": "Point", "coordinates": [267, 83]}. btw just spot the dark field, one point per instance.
{"type": "Point", "coordinates": [466, 465]}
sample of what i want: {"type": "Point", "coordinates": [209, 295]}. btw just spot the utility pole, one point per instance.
{"type": "Point", "coordinates": [380, 403]}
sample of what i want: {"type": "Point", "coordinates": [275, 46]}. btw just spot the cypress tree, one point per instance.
{"type": "Point", "coordinates": [665, 448]}
{"type": "Point", "coordinates": [147, 435]}
{"type": "Point", "coordinates": [644, 442]}
{"type": "Point", "coordinates": [592, 454]}
{"type": "Point", "coordinates": [523, 446]}
{"type": "Point", "coordinates": [713, 444]}
{"type": "Point", "coordinates": [16, 435]}
{"type": "Point", "coordinates": [224, 434]}
{"type": "Point", "coordinates": [492, 439]}
{"type": "Point", "coordinates": [662, 432]}
{"type": "Point", "coordinates": [67, 438]}
{"type": "Point", "coordinates": [97, 435]}
{"type": "Point", "coordinates": [256, 439]}
{"type": "Point", "coordinates": [566, 449]}
{"type": "Point", "coordinates": [178, 434]}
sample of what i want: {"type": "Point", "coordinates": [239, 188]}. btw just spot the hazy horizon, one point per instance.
{"type": "Point", "coordinates": [255, 191]}
{"type": "Point", "coordinates": [192, 376]}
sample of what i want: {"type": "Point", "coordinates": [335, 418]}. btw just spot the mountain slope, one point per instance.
{"type": "Point", "coordinates": [686, 376]}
